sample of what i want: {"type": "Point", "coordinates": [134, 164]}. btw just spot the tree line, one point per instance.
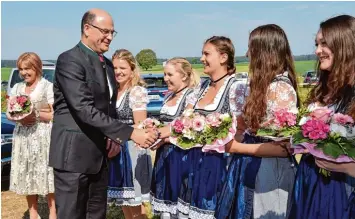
{"type": "Point", "coordinates": [147, 59]}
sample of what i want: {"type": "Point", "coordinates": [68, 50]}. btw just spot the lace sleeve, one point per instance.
{"type": "Point", "coordinates": [281, 95]}
{"type": "Point", "coordinates": [237, 94]}
{"type": "Point", "coordinates": [49, 93]}
{"type": "Point", "coordinates": [138, 98]}
{"type": "Point", "coordinates": [192, 97]}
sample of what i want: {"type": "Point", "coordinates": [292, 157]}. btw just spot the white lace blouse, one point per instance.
{"type": "Point", "coordinates": [138, 98]}
{"type": "Point", "coordinates": [280, 95]}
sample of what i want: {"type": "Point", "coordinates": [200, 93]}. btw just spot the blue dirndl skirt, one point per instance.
{"type": "Point", "coordinates": [206, 178]}
{"type": "Point", "coordinates": [130, 176]}
{"type": "Point", "coordinates": [172, 178]}
{"type": "Point", "coordinates": [317, 197]}
{"type": "Point", "coordinates": [256, 187]}
{"type": "Point", "coordinates": [120, 184]}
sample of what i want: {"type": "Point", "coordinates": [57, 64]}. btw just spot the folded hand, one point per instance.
{"type": "Point", "coordinates": [29, 120]}
{"type": "Point", "coordinates": [112, 147]}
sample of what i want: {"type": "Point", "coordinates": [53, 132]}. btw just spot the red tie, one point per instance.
{"type": "Point", "coordinates": [101, 58]}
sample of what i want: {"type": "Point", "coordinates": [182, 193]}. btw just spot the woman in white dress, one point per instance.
{"type": "Point", "coordinates": [30, 174]}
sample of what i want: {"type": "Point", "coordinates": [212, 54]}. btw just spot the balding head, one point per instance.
{"type": "Point", "coordinates": [97, 30]}
{"type": "Point", "coordinates": [93, 14]}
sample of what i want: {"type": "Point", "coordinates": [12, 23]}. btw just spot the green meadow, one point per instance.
{"type": "Point", "coordinates": [301, 67]}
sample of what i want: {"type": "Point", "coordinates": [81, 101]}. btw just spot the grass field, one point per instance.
{"type": "Point", "coordinates": [301, 67]}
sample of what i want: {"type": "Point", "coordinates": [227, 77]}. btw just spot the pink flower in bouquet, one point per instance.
{"type": "Point", "coordinates": [187, 122]}
{"type": "Point", "coordinates": [21, 100]}
{"type": "Point", "coordinates": [178, 126]}
{"type": "Point", "coordinates": [148, 123]}
{"type": "Point", "coordinates": [198, 123]}
{"type": "Point", "coordinates": [342, 119]}
{"type": "Point", "coordinates": [213, 119]}
{"type": "Point", "coordinates": [322, 114]}
{"type": "Point", "coordinates": [315, 129]}
{"type": "Point", "coordinates": [284, 118]}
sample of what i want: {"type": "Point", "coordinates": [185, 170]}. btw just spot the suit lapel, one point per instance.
{"type": "Point", "coordinates": [111, 75]}
{"type": "Point", "coordinates": [99, 74]}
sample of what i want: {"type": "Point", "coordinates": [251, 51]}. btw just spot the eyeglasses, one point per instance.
{"type": "Point", "coordinates": [105, 32]}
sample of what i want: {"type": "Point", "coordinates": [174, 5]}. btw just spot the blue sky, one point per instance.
{"type": "Point", "coordinates": [169, 28]}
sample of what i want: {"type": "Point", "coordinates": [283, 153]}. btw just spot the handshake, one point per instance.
{"type": "Point", "coordinates": [142, 137]}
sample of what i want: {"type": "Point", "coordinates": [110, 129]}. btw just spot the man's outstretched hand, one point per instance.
{"type": "Point", "coordinates": [144, 137]}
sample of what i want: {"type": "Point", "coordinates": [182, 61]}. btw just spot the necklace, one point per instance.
{"type": "Point", "coordinates": [179, 91]}
{"type": "Point", "coordinates": [215, 82]}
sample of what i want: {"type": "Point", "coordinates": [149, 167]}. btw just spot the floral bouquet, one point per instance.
{"type": "Point", "coordinates": [211, 133]}
{"type": "Point", "coordinates": [281, 126]}
{"type": "Point", "coordinates": [151, 123]}
{"type": "Point", "coordinates": [19, 107]}
{"type": "Point", "coordinates": [326, 135]}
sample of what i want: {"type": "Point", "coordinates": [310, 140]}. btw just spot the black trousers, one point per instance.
{"type": "Point", "coordinates": [81, 196]}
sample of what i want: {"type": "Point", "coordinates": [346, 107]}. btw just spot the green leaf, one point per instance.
{"type": "Point", "coordinates": [265, 132]}
{"type": "Point", "coordinates": [331, 149]}
{"type": "Point", "coordinates": [324, 172]}
{"type": "Point", "coordinates": [285, 132]}
{"type": "Point", "coordinates": [298, 138]}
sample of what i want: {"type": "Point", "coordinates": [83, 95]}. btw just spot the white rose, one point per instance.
{"type": "Point", "coordinates": [294, 111]}
{"type": "Point", "coordinates": [351, 134]}
{"type": "Point", "coordinates": [303, 120]}
{"type": "Point", "coordinates": [341, 130]}
{"type": "Point", "coordinates": [224, 116]}
{"type": "Point", "coordinates": [188, 112]}
{"type": "Point", "coordinates": [188, 134]}
{"type": "Point", "coordinates": [156, 122]}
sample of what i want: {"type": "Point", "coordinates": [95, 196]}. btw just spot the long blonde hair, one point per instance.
{"type": "Point", "coordinates": [185, 68]}
{"type": "Point", "coordinates": [126, 55]}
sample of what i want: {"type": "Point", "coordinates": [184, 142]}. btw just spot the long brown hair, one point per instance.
{"type": "Point", "coordinates": [337, 86]}
{"type": "Point", "coordinates": [270, 55]}
{"type": "Point", "coordinates": [224, 45]}
{"type": "Point", "coordinates": [126, 55]}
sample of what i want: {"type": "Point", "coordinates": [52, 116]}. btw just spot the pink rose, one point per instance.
{"type": "Point", "coordinates": [284, 118]}
{"type": "Point", "coordinates": [148, 123]}
{"type": "Point", "coordinates": [313, 135]}
{"type": "Point", "coordinates": [291, 119]}
{"type": "Point", "coordinates": [198, 123]}
{"type": "Point", "coordinates": [22, 100]}
{"type": "Point", "coordinates": [315, 129]}
{"type": "Point", "coordinates": [322, 114]}
{"type": "Point", "coordinates": [187, 122]}
{"type": "Point", "coordinates": [178, 126]}
{"type": "Point", "coordinates": [213, 120]}
{"type": "Point", "coordinates": [342, 119]}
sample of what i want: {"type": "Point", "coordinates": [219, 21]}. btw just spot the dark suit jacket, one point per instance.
{"type": "Point", "coordinates": [84, 113]}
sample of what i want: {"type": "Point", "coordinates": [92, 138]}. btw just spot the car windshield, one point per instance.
{"type": "Point", "coordinates": [155, 82]}
{"type": "Point", "coordinates": [47, 74]}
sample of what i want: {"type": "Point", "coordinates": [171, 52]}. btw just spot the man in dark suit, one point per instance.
{"type": "Point", "coordinates": [85, 132]}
